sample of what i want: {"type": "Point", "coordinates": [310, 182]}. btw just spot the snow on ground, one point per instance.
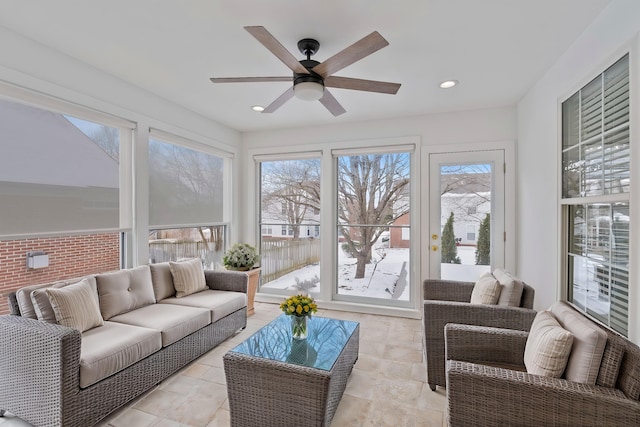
{"type": "Point", "coordinates": [381, 276]}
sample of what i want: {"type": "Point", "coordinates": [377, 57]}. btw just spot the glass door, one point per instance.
{"type": "Point", "coordinates": [466, 210]}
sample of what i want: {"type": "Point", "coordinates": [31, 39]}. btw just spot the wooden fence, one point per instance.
{"type": "Point", "coordinates": [163, 250]}
{"type": "Point", "coordinates": [279, 257]}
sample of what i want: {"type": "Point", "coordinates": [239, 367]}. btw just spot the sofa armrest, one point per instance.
{"type": "Point", "coordinates": [447, 290]}
{"type": "Point", "coordinates": [236, 281]}
{"type": "Point", "coordinates": [479, 395]}
{"type": "Point", "coordinates": [39, 367]}
{"type": "Point", "coordinates": [478, 344]}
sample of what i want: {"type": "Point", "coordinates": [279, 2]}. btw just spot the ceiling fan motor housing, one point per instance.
{"type": "Point", "coordinates": [312, 77]}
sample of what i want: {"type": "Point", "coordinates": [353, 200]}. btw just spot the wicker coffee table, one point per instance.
{"type": "Point", "coordinates": [274, 380]}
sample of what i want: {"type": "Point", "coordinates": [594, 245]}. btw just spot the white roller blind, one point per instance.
{"type": "Point", "coordinates": [58, 174]}
{"type": "Point", "coordinates": [185, 184]}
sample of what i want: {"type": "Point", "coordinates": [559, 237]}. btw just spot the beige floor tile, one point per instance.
{"type": "Point", "coordinates": [134, 418]}
{"type": "Point", "coordinates": [352, 412]}
{"type": "Point", "coordinates": [386, 388]}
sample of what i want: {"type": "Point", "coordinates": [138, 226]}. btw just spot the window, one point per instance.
{"type": "Point", "coordinates": [472, 210]}
{"type": "Point", "coordinates": [595, 196]}
{"type": "Point", "coordinates": [186, 195]}
{"type": "Point", "coordinates": [175, 244]}
{"type": "Point", "coordinates": [291, 260]}
{"type": "Point", "coordinates": [471, 233]}
{"type": "Point", "coordinates": [373, 201]}
{"type": "Point", "coordinates": [59, 173]}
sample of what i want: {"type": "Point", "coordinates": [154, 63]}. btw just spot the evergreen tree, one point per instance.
{"type": "Point", "coordinates": [483, 250]}
{"type": "Point", "coordinates": [448, 245]}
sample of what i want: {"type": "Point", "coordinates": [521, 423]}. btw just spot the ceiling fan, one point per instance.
{"type": "Point", "coordinates": [311, 78]}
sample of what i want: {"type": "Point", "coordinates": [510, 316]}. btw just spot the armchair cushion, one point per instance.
{"type": "Point", "coordinates": [548, 346]}
{"type": "Point", "coordinates": [588, 344]}
{"type": "Point", "coordinates": [486, 291]}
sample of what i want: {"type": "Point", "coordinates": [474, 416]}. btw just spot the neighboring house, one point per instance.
{"type": "Point", "coordinates": [34, 167]}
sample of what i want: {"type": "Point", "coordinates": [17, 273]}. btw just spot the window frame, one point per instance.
{"type": "Point", "coordinates": [569, 201]}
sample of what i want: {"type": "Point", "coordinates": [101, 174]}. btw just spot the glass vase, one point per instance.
{"type": "Point", "coordinates": [299, 327]}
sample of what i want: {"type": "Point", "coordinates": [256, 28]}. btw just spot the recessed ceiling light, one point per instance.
{"type": "Point", "coordinates": [257, 108]}
{"type": "Point", "coordinates": [447, 84]}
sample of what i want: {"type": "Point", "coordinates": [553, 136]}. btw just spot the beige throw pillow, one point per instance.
{"type": "Point", "coordinates": [76, 306]}
{"type": "Point", "coordinates": [485, 291]}
{"type": "Point", "coordinates": [589, 341]}
{"type": "Point", "coordinates": [548, 346]}
{"type": "Point", "coordinates": [510, 288]}
{"type": "Point", "coordinates": [188, 277]}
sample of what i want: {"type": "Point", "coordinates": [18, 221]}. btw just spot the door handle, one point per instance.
{"type": "Point", "coordinates": [434, 248]}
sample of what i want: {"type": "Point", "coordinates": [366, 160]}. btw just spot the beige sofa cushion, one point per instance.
{"type": "Point", "coordinates": [76, 306]}
{"type": "Point", "coordinates": [173, 321]}
{"type": "Point", "coordinates": [110, 348]}
{"type": "Point", "coordinates": [162, 280]}
{"type": "Point", "coordinates": [124, 290]}
{"type": "Point", "coordinates": [510, 288]}
{"type": "Point", "coordinates": [588, 344]}
{"type": "Point", "coordinates": [188, 277]}
{"type": "Point", "coordinates": [23, 297]}
{"type": "Point", "coordinates": [485, 291]}
{"type": "Point", "coordinates": [220, 303]}
{"type": "Point", "coordinates": [41, 303]}
{"type": "Point", "coordinates": [548, 346]}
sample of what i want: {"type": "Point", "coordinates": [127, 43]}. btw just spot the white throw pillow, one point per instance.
{"type": "Point", "coordinates": [510, 288]}
{"type": "Point", "coordinates": [188, 277]}
{"type": "Point", "coordinates": [548, 346]}
{"type": "Point", "coordinates": [76, 306]}
{"type": "Point", "coordinates": [485, 291]}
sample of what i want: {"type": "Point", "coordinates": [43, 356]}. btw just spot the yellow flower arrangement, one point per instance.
{"type": "Point", "coordinates": [299, 305]}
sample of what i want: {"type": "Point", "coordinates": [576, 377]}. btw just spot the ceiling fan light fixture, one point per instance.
{"type": "Point", "coordinates": [309, 91]}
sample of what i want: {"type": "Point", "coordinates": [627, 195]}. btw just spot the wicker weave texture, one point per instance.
{"type": "Point", "coordinates": [437, 313]}
{"type": "Point", "coordinates": [265, 393]}
{"type": "Point", "coordinates": [40, 363]}
{"type": "Point", "coordinates": [482, 394]}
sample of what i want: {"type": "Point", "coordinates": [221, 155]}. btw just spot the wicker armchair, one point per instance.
{"type": "Point", "coordinates": [487, 384]}
{"type": "Point", "coordinates": [447, 301]}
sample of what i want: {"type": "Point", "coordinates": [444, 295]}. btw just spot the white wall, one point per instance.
{"type": "Point", "coordinates": [30, 65]}
{"type": "Point", "coordinates": [604, 41]}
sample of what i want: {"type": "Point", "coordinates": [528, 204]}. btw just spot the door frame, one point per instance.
{"type": "Point", "coordinates": [510, 258]}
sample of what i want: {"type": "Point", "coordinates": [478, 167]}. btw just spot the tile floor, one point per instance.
{"type": "Point", "coordinates": [386, 388]}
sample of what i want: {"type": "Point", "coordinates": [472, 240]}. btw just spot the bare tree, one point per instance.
{"type": "Point", "coordinates": [291, 191]}
{"type": "Point", "coordinates": [107, 138]}
{"type": "Point", "coordinates": [372, 192]}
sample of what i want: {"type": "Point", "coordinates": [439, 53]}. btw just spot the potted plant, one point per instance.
{"type": "Point", "coordinates": [240, 256]}
{"type": "Point", "coordinates": [243, 257]}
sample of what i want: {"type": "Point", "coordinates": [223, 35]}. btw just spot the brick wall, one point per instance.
{"type": "Point", "coordinates": [69, 257]}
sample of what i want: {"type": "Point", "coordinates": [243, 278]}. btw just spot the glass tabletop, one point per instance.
{"type": "Point", "coordinates": [325, 341]}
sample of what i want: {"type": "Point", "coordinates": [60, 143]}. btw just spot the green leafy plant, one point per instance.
{"type": "Point", "coordinates": [240, 256]}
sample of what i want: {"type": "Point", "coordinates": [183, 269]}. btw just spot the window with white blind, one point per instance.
{"type": "Point", "coordinates": [186, 196]}
{"type": "Point", "coordinates": [60, 169]}
{"type": "Point", "coordinates": [595, 196]}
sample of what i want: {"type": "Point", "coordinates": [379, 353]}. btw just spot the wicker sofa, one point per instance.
{"type": "Point", "coordinates": [55, 375]}
{"type": "Point", "coordinates": [488, 384]}
{"type": "Point", "coordinates": [447, 301]}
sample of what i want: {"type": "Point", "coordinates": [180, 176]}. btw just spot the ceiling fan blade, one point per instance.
{"type": "Point", "coordinates": [279, 101]}
{"type": "Point", "coordinates": [275, 47]}
{"type": "Point", "coordinates": [364, 47]}
{"type": "Point", "coordinates": [361, 84]}
{"type": "Point", "coordinates": [332, 104]}
{"type": "Point", "coordinates": [249, 79]}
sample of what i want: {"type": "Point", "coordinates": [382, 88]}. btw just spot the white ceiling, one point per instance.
{"type": "Point", "coordinates": [496, 48]}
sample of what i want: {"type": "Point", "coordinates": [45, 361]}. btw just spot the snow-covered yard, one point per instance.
{"type": "Point", "coordinates": [387, 277]}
